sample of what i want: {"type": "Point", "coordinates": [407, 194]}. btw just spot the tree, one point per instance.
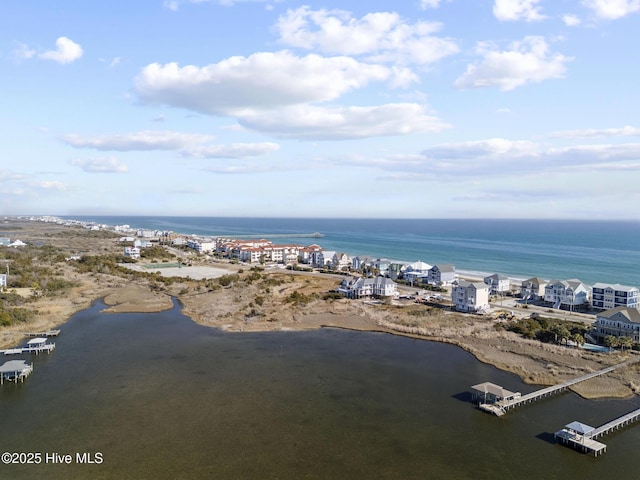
{"type": "Point", "coordinates": [610, 341]}
{"type": "Point", "coordinates": [625, 342]}
{"type": "Point", "coordinates": [578, 339]}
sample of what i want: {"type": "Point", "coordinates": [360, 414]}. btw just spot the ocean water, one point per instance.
{"type": "Point", "coordinates": [160, 397]}
{"type": "Point", "coordinates": [592, 251]}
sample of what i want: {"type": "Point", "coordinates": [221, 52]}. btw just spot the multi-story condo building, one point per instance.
{"type": "Point", "coordinates": [618, 322]}
{"type": "Point", "coordinates": [606, 296]}
{"type": "Point", "coordinates": [470, 296]}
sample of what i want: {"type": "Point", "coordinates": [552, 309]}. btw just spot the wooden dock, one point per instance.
{"type": "Point", "coordinates": [48, 333]}
{"type": "Point", "coordinates": [502, 405]}
{"type": "Point", "coordinates": [37, 345]}
{"type": "Point", "coordinates": [15, 371]}
{"type": "Point", "coordinates": [583, 437]}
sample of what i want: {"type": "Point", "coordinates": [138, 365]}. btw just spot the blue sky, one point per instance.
{"type": "Point", "coordinates": [413, 109]}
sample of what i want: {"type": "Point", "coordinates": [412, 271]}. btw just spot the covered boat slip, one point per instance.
{"type": "Point", "coordinates": [36, 345]}
{"type": "Point", "coordinates": [15, 371]}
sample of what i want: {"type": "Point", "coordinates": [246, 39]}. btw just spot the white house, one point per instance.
{"type": "Point", "coordinates": [532, 288]}
{"type": "Point", "coordinates": [606, 296]}
{"type": "Point", "coordinates": [444, 274]}
{"type": "Point", "coordinates": [470, 296]}
{"type": "Point", "coordinates": [566, 293]}
{"type": "Point", "coordinates": [358, 287]}
{"type": "Point", "coordinates": [341, 261]}
{"type": "Point", "coordinates": [498, 284]}
{"type": "Point", "coordinates": [618, 322]}
{"type": "Point", "coordinates": [201, 246]}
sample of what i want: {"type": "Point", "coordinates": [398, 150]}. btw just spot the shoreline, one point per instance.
{"type": "Point", "coordinates": [246, 307]}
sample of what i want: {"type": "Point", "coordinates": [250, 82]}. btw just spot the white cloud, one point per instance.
{"type": "Point", "coordinates": [23, 52]}
{"type": "Point", "coordinates": [47, 185]}
{"type": "Point", "coordinates": [145, 140]}
{"type": "Point", "coordinates": [626, 131]}
{"type": "Point", "coordinates": [613, 9]}
{"type": "Point", "coordinates": [381, 36]}
{"type": "Point", "coordinates": [261, 81]}
{"type": "Point", "coordinates": [100, 165]}
{"type": "Point", "coordinates": [505, 157]}
{"type": "Point", "coordinates": [339, 123]}
{"type": "Point", "coordinates": [66, 51]}
{"type": "Point", "coordinates": [235, 150]}
{"type": "Point", "coordinates": [426, 4]}
{"type": "Point", "coordinates": [571, 20]}
{"type": "Point", "coordinates": [527, 61]}
{"type": "Point", "coordinates": [512, 10]}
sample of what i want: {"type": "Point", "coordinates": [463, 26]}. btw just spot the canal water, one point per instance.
{"type": "Point", "coordinates": [156, 396]}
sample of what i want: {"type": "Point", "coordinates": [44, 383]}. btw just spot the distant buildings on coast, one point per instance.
{"type": "Point", "coordinates": [377, 276]}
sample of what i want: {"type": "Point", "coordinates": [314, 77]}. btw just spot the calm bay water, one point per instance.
{"type": "Point", "coordinates": [551, 249]}
{"type": "Point", "coordinates": [164, 398]}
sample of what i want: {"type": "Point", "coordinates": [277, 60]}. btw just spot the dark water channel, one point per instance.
{"type": "Point", "coordinates": [158, 397]}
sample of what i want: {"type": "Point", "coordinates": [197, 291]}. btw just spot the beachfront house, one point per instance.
{"type": "Point", "coordinates": [323, 258]}
{"type": "Point", "coordinates": [605, 296]}
{"type": "Point", "coordinates": [442, 275]}
{"type": "Point", "coordinates": [618, 322]}
{"type": "Point", "coordinates": [381, 265]}
{"type": "Point", "coordinates": [532, 289]}
{"type": "Point", "coordinates": [359, 287]}
{"type": "Point", "coordinates": [395, 271]}
{"type": "Point", "coordinates": [470, 296]}
{"type": "Point", "coordinates": [360, 262]}
{"type": "Point", "coordinates": [417, 272]}
{"type": "Point", "coordinates": [498, 284]}
{"type": "Point", "coordinates": [566, 293]}
{"type": "Point", "coordinates": [341, 261]}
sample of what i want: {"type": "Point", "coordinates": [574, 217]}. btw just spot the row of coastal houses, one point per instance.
{"type": "Point", "coordinates": [572, 293]}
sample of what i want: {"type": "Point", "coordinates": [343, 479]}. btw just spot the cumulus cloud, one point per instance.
{"type": "Point", "coordinates": [341, 123]}
{"type": "Point", "coordinates": [145, 140]}
{"type": "Point", "coordinates": [261, 81]}
{"type": "Point", "coordinates": [526, 61]}
{"type": "Point", "coordinates": [66, 51]}
{"type": "Point", "coordinates": [613, 9]}
{"type": "Point", "coordinates": [381, 36]}
{"type": "Point", "coordinates": [512, 10]}
{"type": "Point", "coordinates": [100, 165]}
{"type": "Point", "coordinates": [571, 20]}
{"type": "Point", "coordinates": [235, 150]}
{"type": "Point", "coordinates": [626, 131]}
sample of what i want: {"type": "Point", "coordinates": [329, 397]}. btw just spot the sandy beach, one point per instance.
{"type": "Point", "coordinates": [276, 299]}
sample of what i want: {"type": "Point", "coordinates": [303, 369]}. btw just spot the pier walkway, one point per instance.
{"type": "Point", "coordinates": [583, 437]}
{"type": "Point", "coordinates": [37, 346]}
{"type": "Point", "coordinates": [48, 333]}
{"type": "Point", "coordinates": [503, 404]}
